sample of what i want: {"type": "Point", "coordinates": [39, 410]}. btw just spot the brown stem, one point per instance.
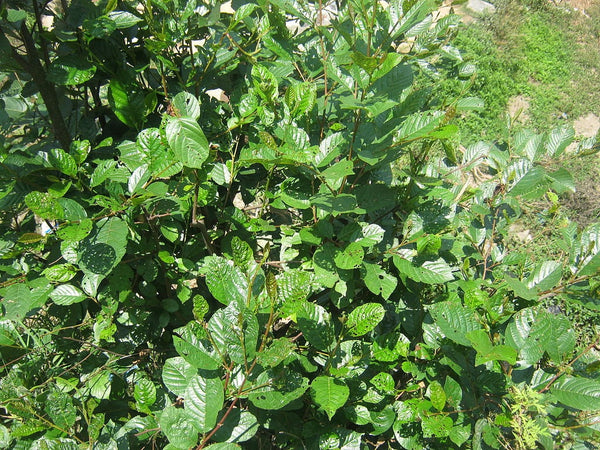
{"type": "Point", "coordinates": [32, 65]}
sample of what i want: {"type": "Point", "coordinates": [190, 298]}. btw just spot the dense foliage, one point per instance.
{"type": "Point", "coordinates": [256, 227]}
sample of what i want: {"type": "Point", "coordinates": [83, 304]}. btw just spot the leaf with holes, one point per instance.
{"type": "Point", "coordinates": [329, 394]}
{"type": "Point", "coordinates": [364, 318]}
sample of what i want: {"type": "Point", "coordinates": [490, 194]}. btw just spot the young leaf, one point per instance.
{"type": "Point", "coordinates": [486, 351]}
{"type": "Point", "coordinates": [329, 394]}
{"type": "Point", "coordinates": [364, 318]}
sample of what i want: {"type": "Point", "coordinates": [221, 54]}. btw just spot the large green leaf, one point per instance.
{"type": "Point", "coordinates": [179, 427]}
{"type": "Point", "coordinates": [578, 393]}
{"type": "Point", "coordinates": [186, 105]}
{"type": "Point", "coordinates": [486, 351]}
{"type": "Point", "coordinates": [44, 205]}
{"type": "Point", "coordinates": [177, 374]}
{"type": "Point", "coordinates": [378, 281]}
{"type": "Point", "coordinates": [193, 345]}
{"type": "Point", "coordinates": [315, 323]}
{"type": "Point", "coordinates": [67, 294]}
{"type": "Point", "coordinates": [429, 272]}
{"type": "Point", "coordinates": [277, 388]}
{"type": "Point", "coordinates": [204, 399]}
{"type": "Point", "coordinates": [350, 257]}
{"type": "Point", "coordinates": [101, 251]}
{"type": "Point", "coordinates": [187, 141]}
{"type": "Point", "coordinates": [128, 104]}
{"type": "Point", "coordinates": [239, 426]}
{"type": "Point", "coordinates": [329, 394]}
{"type": "Point", "coordinates": [225, 281]}
{"type": "Point", "coordinates": [62, 161]}
{"type": "Point", "coordinates": [364, 318]}
{"type": "Point", "coordinates": [234, 331]}
{"type": "Point", "coordinates": [455, 321]}
{"type": "Point", "coordinates": [71, 70]}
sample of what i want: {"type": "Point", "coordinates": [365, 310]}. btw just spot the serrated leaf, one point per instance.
{"type": "Point", "coordinates": [364, 318]}
{"type": "Point", "coordinates": [67, 294]}
{"type": "Point", "coordinates": [578, 393]}
{"type": "Point", "coordinates": [187, 141]}
{"type": "Point", "coordinates": [103, 170]}
{"type": "Point", "coordinates": [204, 399]}
{"type": "Point", "coordinates": [179, 427]}
{"type": "Point", "coordinates": [329, 394]}
{"type": "Point", "coordinates": [455, 321]}
{"type": "Point", "coordinates": [177, 374]}
{"type": "Point", "coordinates": [315, 323]}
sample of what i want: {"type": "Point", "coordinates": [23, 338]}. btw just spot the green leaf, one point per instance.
{"type": "Point", "coordinates": [315, 323]}
{"type": "Point", "coordinates": [60, 273]}
{"type": "Point", "coordinates": [558, 140]}
{"type": "Point", "coordinates": [545, 276]}
{"type": "Point", "coordinates": [177, 374]}
{"type": "Point", "coordinates": [336, 174]}
{"type": "Point", "coordinates": [103, 249]}
{"type": "Point", "coordinates": [195, 347]}
{"type": "Point", "coordinates": [75, 232]}
{"type": "Point", "coordinates": [239, 426]}
{"type": "Point", "coordinates": [226, 282]}
{"type": "Point", "coordinates": [278, 388]}
{"type": "Point", "coordinates": [437, 395]}
{"type": "Point", "coordinates": [179, 427]}
{"type": "Point", "coordinates": [329, 394]}
{"type": "Point", "coordinates": [62, 161]}
{"type": "Point", "coordinates": [127, 104]}
{"type": "Point", "coordinates": [204, 399]}
{"type": "Point", "coordinates": [455, 321]}
{"type": "Point", "coordinates": [138, 179]}
{"type": "Point", "coordinates": [429, 272]}
{"type": "Point", "coordinates": [364, 318]}
{"type": "Point", "coordinates": [378, 281]}
{"type": "Point", "coordinates": [124, 19]}
{"type": "Point", "coordinates": [419, 125]}
{"type": "Point", "coordinates": [486, 351]}
{"type": "Point", "coordinates": [60, 409]}
{"type": "Point", "coordinates": [234, 331]}
{"type": "Point", "coordinates": [470, 104]}
{"type": "Point", "coordinates": [578, 393]}
{"type": "Point", "coordinates": [67, 294]}
{"type": "Point", "coordinates": [561, 181]}
{"type": "Point", "coordinates": [44, 205]}
{"type": "Point", "coordinates": [144, 392]}
{"type": "Point", "coordinates": [186, 105]}
{"type": "Point", "coordinates": [71, 70]}
{"type": "Point", "coordinates": [350, 257]}
{"type": "Point", "coordinates": [187, 142]}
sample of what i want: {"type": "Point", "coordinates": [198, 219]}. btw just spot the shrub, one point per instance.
{"type": "Point", "coordinates": [290, 265]}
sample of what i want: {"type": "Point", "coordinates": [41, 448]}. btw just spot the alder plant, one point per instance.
{"type": "Point", "coordinates": [306, 259]}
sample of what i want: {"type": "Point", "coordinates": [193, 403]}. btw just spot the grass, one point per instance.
{"type": "Point", "coordinates": [547, 54]}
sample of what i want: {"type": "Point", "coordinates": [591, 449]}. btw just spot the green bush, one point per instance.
{"type": "Point", "coordinates": [291, 265]}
